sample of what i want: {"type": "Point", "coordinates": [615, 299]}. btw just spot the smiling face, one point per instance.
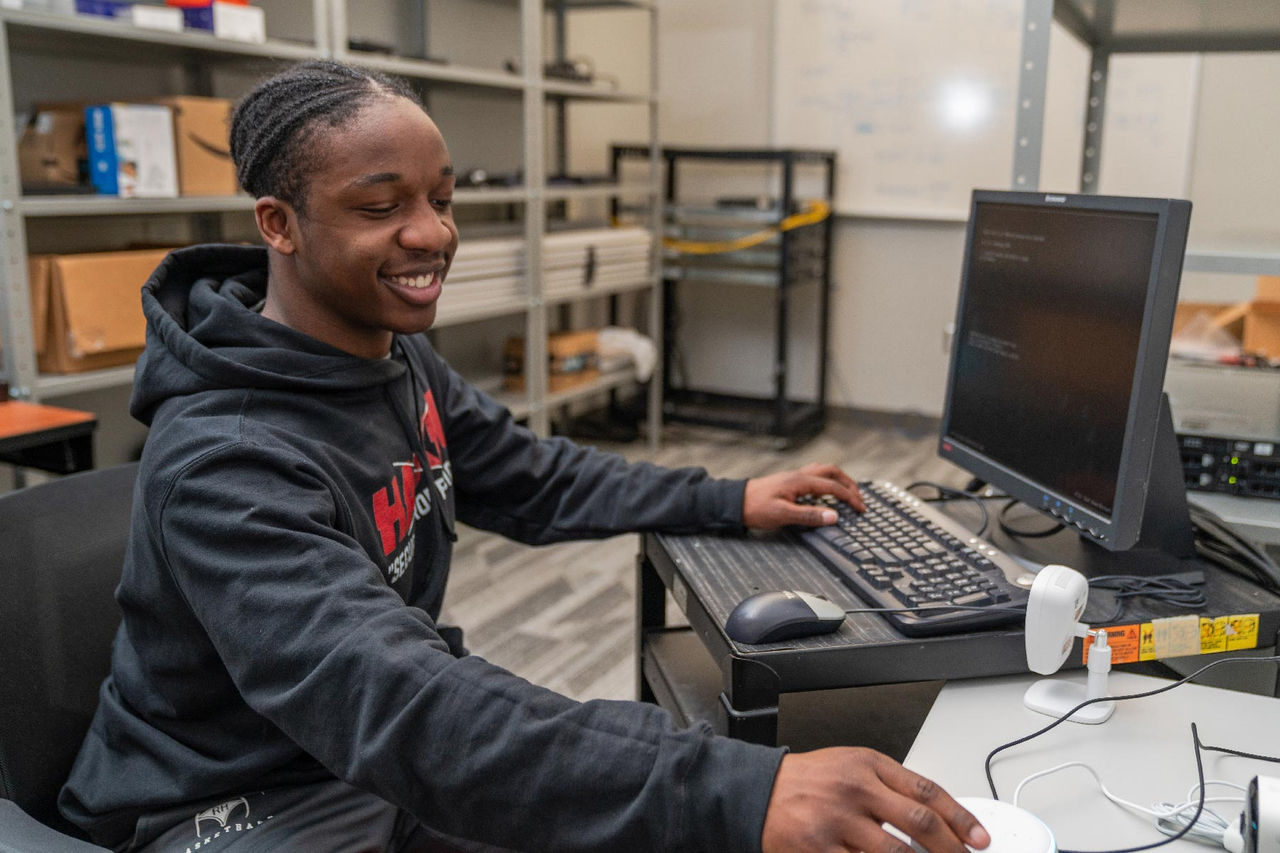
{"type": "Point", "coordinates": [367, 253]}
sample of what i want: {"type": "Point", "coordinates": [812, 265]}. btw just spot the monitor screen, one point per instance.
{"type": "Point", "coordinates": [1061, 336]}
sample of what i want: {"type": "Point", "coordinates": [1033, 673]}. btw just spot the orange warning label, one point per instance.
{"type": "Point", "coordinates": [1124, 643]}
{"type": "Point", "coordinates": [1131, 643]}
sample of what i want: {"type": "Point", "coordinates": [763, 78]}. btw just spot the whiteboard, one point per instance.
{"type": "Point", "coordinates": [918, 98]}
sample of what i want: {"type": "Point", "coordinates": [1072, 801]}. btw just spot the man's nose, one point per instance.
{"type": "Point", "coordinates": [427, 230]}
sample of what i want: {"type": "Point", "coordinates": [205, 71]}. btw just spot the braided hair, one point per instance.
{"type": "Point", "coordinates": [274, 126]}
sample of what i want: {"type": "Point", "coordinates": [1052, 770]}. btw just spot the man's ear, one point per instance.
{"type": "Point", "coordinates": [277, 223]}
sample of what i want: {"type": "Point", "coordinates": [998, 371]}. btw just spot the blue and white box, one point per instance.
{"type": "Point", "coordinates": [131, 151]}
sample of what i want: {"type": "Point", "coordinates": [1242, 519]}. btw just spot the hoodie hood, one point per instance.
{"type": "Point", "coordinates": [205, 331]}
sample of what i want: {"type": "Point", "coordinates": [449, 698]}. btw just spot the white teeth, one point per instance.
{"type": "Point", "coordinates": [414, 281]}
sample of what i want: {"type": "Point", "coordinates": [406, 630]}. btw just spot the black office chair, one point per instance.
{"type": "Point", "coordinates": [63, 544]}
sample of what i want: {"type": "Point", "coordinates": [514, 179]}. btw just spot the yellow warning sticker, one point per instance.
{"type": "Point", "coordinates": [1242, 631]}
{"type": "Point", "coordinates": [1147, 642]}
{"type": "Point", "coordinates": [1164, 638]}
{"type": "Point", "coordinates": [1213, 635]}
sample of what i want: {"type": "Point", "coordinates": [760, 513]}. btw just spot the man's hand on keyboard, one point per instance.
{"type": "Point", "coordinates": [837, 799]}
{"type": "Point", "coordinates": [771, 502]}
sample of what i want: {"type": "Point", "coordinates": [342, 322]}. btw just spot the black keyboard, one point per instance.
{"type": "Point", "coordinates": [902, 552]}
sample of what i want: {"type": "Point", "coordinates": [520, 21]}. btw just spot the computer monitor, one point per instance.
{"type": "Point", "coordinates": [1055, 388]}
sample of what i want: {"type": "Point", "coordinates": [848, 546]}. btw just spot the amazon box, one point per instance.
{"type": "Point", "coordinates": [202, 139]}
{"type": "Point", "coordinates": [86, 309]}
{"type": "Point", "coordinates": [51, 150]}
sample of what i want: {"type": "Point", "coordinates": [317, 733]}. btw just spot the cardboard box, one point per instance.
{"type": "Point", "coordinates": [556, 382]}
{"type": "Point", "coordinates": [131, 150]}
{"type": "Point", "coordinates": [1255, 324]}
{"type": "Point", "coordinates": [1222, 315]}
{"type": "Point", "coordinates": [202, 139]}
{"type": "Point", "coordinates": [1262, 329]}
{"type": "Point", "coordinates": [1262, 323]}
{"type": "Point", "coordinates": [1268, 288]}
{"type": "Point", "coordinates": [86, 310]}
{"type": "Point", "coordinates": [51, 150]}
{"type": "Point", "coordinates": [572, 359]}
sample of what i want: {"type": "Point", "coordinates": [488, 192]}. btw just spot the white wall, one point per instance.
{"type": "Point", "coordinates": [896, 281]}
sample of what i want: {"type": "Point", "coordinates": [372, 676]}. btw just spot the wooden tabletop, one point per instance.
{"type": "Point", "coordinates": [19, 418]}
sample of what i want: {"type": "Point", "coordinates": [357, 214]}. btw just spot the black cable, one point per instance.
{"type": "Point", "coordinates": [1240, 754]}
{"type": "Point", "coordinates": [948, 493]}
{"type": "Point", "coordinates": [1168, 589]}
{"type": "Point", "coordinates": [1215, 541]}
{"type": "Point", "coordinates": [989, 608]}
{"type": "Point", "coordinates": [1219, 544]}
{"type": "Point", "coordinates": [991, 784]}
{"type": "Point", "coordinates": [1023, 534]}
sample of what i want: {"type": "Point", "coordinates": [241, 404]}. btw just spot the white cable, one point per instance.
{"type": "Point", "coordinates": [1211, 826]}
{"type": "Point", "coordinates": [1107, 793]}
{"type": "Point", "coordinates": [1170, 818]}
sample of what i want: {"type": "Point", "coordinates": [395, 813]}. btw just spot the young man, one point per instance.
{"type": "Point", "coordinates": [280, 681]}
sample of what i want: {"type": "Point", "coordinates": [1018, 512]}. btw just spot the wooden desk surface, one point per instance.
{"type": "Point", "coordinates": [19, 418]}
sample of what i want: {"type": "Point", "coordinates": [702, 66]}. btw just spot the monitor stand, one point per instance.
{"type": "Point", "coordinates": [1166, 543]}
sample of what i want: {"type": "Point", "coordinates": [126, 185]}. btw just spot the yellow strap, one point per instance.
{"type": "Point", "coordinates": [814, 212]}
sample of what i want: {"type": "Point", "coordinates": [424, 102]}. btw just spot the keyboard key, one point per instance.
{"type": "Point", "coordinates": [885, 557]}
{"type": "Point", "coordinates": [974, 599]}
{"type": "Point", "coordinates": [902, 553]}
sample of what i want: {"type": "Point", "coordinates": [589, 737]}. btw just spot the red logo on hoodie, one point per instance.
{"type": "Point", "coordinates": [393, 506]}
{"type": "Point", "coordinates": [399, 503]}
{"type": "Point", "coordinates": [432, 431]}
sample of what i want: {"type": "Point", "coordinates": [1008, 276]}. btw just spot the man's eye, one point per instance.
{"type": "Point", "coordinates": [442, 203]}
{"type": "Point", "coordinates": [379, 210]}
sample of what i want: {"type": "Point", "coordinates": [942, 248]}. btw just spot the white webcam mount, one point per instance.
{"type": "Point", "coordinates": [1058, 598]}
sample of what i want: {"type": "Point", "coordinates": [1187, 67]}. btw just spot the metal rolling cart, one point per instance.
{"type": "Point", "coordinates": [779, 240]}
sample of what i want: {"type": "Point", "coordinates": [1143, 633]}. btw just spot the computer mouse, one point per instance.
{"type": "Point", "coordinates": [1012, 830]}
{"type": "Point", "coordinates": [767, 617]}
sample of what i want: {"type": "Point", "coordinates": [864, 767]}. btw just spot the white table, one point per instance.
{"type": "Point", "coordinates": [1144, 753]}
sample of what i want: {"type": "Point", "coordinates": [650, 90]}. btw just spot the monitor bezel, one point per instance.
{"type": "Point", "coordinates": [1121, 529]}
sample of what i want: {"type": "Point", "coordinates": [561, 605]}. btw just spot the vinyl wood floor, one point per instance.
{"type": "Point", "coordinates": [563, 616]}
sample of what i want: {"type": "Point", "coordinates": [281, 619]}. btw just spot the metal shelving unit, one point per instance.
{"type": "Point", "coordinates": [22, 30]}
{"type": "Point", "coordinates": [1109, 27]}
{"type": "Point", "coordinates": [88, 34]}
{"type": "Point", "coordinates": [101, 38]}
{"type": "Point", "coordinates": [788, 262]}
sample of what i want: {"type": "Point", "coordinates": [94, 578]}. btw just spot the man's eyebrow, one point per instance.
{"type": "Point", "coordinates": [374, 179]}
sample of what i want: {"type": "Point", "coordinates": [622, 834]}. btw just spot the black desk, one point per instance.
{"type": "Point", "coordinates": [708, 575]}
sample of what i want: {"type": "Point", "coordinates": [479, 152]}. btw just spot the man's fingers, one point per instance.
{"type": "Point", "coordinates": [928, 813]}
{"type": "Point", "coordinates": [845, 491]}
{"type": "Point", "coordinates": [770, 502]}
{"type": "Point", "coordinates": [830, 472]}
